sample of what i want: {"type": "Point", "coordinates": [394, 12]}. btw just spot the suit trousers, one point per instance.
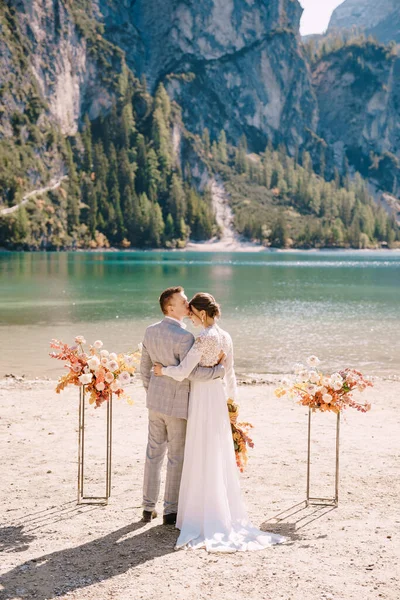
{"type": "Point", "coordinates": [165, 434]}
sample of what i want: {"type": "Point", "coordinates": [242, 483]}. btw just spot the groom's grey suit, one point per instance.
{"type": "Point", "coordinates": [167, 342]}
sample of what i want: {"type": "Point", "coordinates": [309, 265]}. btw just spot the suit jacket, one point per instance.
{"type": "Point", "coordinates": [168, 343]}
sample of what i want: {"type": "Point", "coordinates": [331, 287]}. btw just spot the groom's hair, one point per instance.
{"type": "Point", "coordinates": [165, 298]}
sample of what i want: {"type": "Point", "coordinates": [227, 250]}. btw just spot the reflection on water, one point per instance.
{"type": "Point", "coordinates": [279, 307]}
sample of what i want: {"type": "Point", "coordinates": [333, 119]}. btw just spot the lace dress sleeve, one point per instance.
{"type": "Point", "coordinates": [191, 360]}
{"type": "Point", "coordinates": [230, 376]}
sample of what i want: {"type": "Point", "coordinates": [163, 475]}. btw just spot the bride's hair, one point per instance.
{"type": "Point", "coordinates": [204, 301]}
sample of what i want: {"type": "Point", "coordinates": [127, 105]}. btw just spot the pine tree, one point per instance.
{"type": "Point", "coordinates": [206, 141]}
{"type": "Point", "coordinates": [73, 191]}
{"type": "Point", "coordinates": [87, 144]}
{"type": "Point", "coordinates": [279, 236]}
{"type": "Point", "coordinates": [127, 127]}
{"type": "Point", "coordinates": [20, 228]}
{"type": "Point", "coordinates": [169, 228]}
{"type": "Point", "coordinates": [153, 176]}
{"type": "Point", "coordinates": [156, 226]}
{"type": "Point", "coordinates": [222, 148]}
{"type": "Point", "coordinates": [176, 200]}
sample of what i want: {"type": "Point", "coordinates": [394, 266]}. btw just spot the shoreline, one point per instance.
{"type": "Point", "coordinates": [209, 248]}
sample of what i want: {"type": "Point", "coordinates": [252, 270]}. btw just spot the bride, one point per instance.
{"type": "Point", "coordinates": [211, 511]}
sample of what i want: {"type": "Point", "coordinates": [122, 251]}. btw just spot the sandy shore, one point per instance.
{"type": "Point", "coordinates": [53, 548]}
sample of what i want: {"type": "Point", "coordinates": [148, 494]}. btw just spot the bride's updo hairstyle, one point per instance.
{"type": "Point", "coordinates": [204, 301]}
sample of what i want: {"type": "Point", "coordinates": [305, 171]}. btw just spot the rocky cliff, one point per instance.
{"type": "Point", "coordinates": [231, 64]}
{"type": "Point", "coordinates": [358, 93]}
{"type": "Point", "coordinates": [380, 19]}
{"type": "Point", "coordinates": [237, 65]}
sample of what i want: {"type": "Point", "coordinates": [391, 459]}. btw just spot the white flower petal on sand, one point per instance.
{"type": "Point", "coordinates": [85, 379]}
{"type": "Point", "coordinates": [313, 361]}
{"type": "Point", "coordinates": [98, 344]}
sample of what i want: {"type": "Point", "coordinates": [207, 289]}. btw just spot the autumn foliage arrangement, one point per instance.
{"type": "Point", "coordinates": [326, 393]}
{"type": "Point", "coordinates": [100, 371]}
{"type": "Point", "coordinates": [241, 439]}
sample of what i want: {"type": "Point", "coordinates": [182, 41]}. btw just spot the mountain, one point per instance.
{"type": "Point", "coordinates": [141, 103]}
{"type": "Point", "coordinates": [358, 92]}
{"type": "Point", "coordinates": [241, 61]}
{"type": "Point", "coordinates": [379, 19]}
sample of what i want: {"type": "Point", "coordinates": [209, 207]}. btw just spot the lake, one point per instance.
{"type": "Point", "coordinates": [278, 306]}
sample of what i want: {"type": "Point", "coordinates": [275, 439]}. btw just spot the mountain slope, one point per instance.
{"type": "Point", "coordinates": [230, 64]}
{"type": "Point", "coordinates": [380, 19]}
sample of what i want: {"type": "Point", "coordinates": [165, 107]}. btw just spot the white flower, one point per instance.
{"type": "Point", "coordinates": [113, 365]}
{"type": "Point", "coordinates": [80, 339]}
{"type": "Point", "coordinates": [104, 353]}
{"type": "Point", "coordinates": [104, 361]}
{"type": "Point", "coordinates": [100, 386]}
{"type": "Point", "coordinates": [313, 361]}
{"type": "Point", "coordinates": [327, 398]}
{"type": "Point", "coordinates": [302, 375]}
{"type": "Point", "coordinates": [124, 377]}
{"type": "Point", "coordinates": [85, 379]}
{"type": "Point", "coordinates": [326, 381]}
{"type": "Point", "coordinates": [337, 385]}
{"type": "Point", "coordinates": [113, 356]}
{"type": "Point", "coordinates": [98, 344]}
{"type": "Point", "coordinates": [93, 363]}
{"type": "Point", "coordinates": [298, 367]}
{"type": "Point", "coordinates": [109, 377]}
{"type": "Point", "coordinates": [313, 377]}
{"type": "Point", "coordinates": [114, 387]}
{"type": "Point", "coordinates": [311, 389]}
{"type": "Point", "coordinates": [128, 360]}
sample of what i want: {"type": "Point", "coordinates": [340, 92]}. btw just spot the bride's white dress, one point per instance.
{"type": "Point", "coordinates": [211, 511]}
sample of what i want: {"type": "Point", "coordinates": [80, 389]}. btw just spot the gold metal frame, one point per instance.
{"type": "Point", "coordinates": [82, 499]}
{"type": "Point", "coordinates": [323, 501]}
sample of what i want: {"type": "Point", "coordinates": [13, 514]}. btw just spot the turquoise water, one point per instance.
{"type": "Point", "coordinates": [279, 307]}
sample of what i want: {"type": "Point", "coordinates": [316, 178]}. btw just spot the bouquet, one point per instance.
{"type": "Point", "coordinates": [100, 371]}
{"type": "Point", "coordinates": [240, 435]}
{"type": "Point", "coordinates": [325, 392]}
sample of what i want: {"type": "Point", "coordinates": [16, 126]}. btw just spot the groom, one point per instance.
{"type": "Point", "coordinates": [167, 343]}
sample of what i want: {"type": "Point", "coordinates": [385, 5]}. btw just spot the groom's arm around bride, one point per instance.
{"type": "Point", "coordinates": [167, 343]}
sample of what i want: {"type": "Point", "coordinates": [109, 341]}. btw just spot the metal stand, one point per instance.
{"type": "Point", "coordinates": [82, 499]}
{"type": "Point", "coordinates": [323, 501]}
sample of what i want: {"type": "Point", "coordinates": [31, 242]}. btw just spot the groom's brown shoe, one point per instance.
{"type": "Point", "coordinates": [148, 515]}
{"type": "Point", "coordinates": [169, 519]}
